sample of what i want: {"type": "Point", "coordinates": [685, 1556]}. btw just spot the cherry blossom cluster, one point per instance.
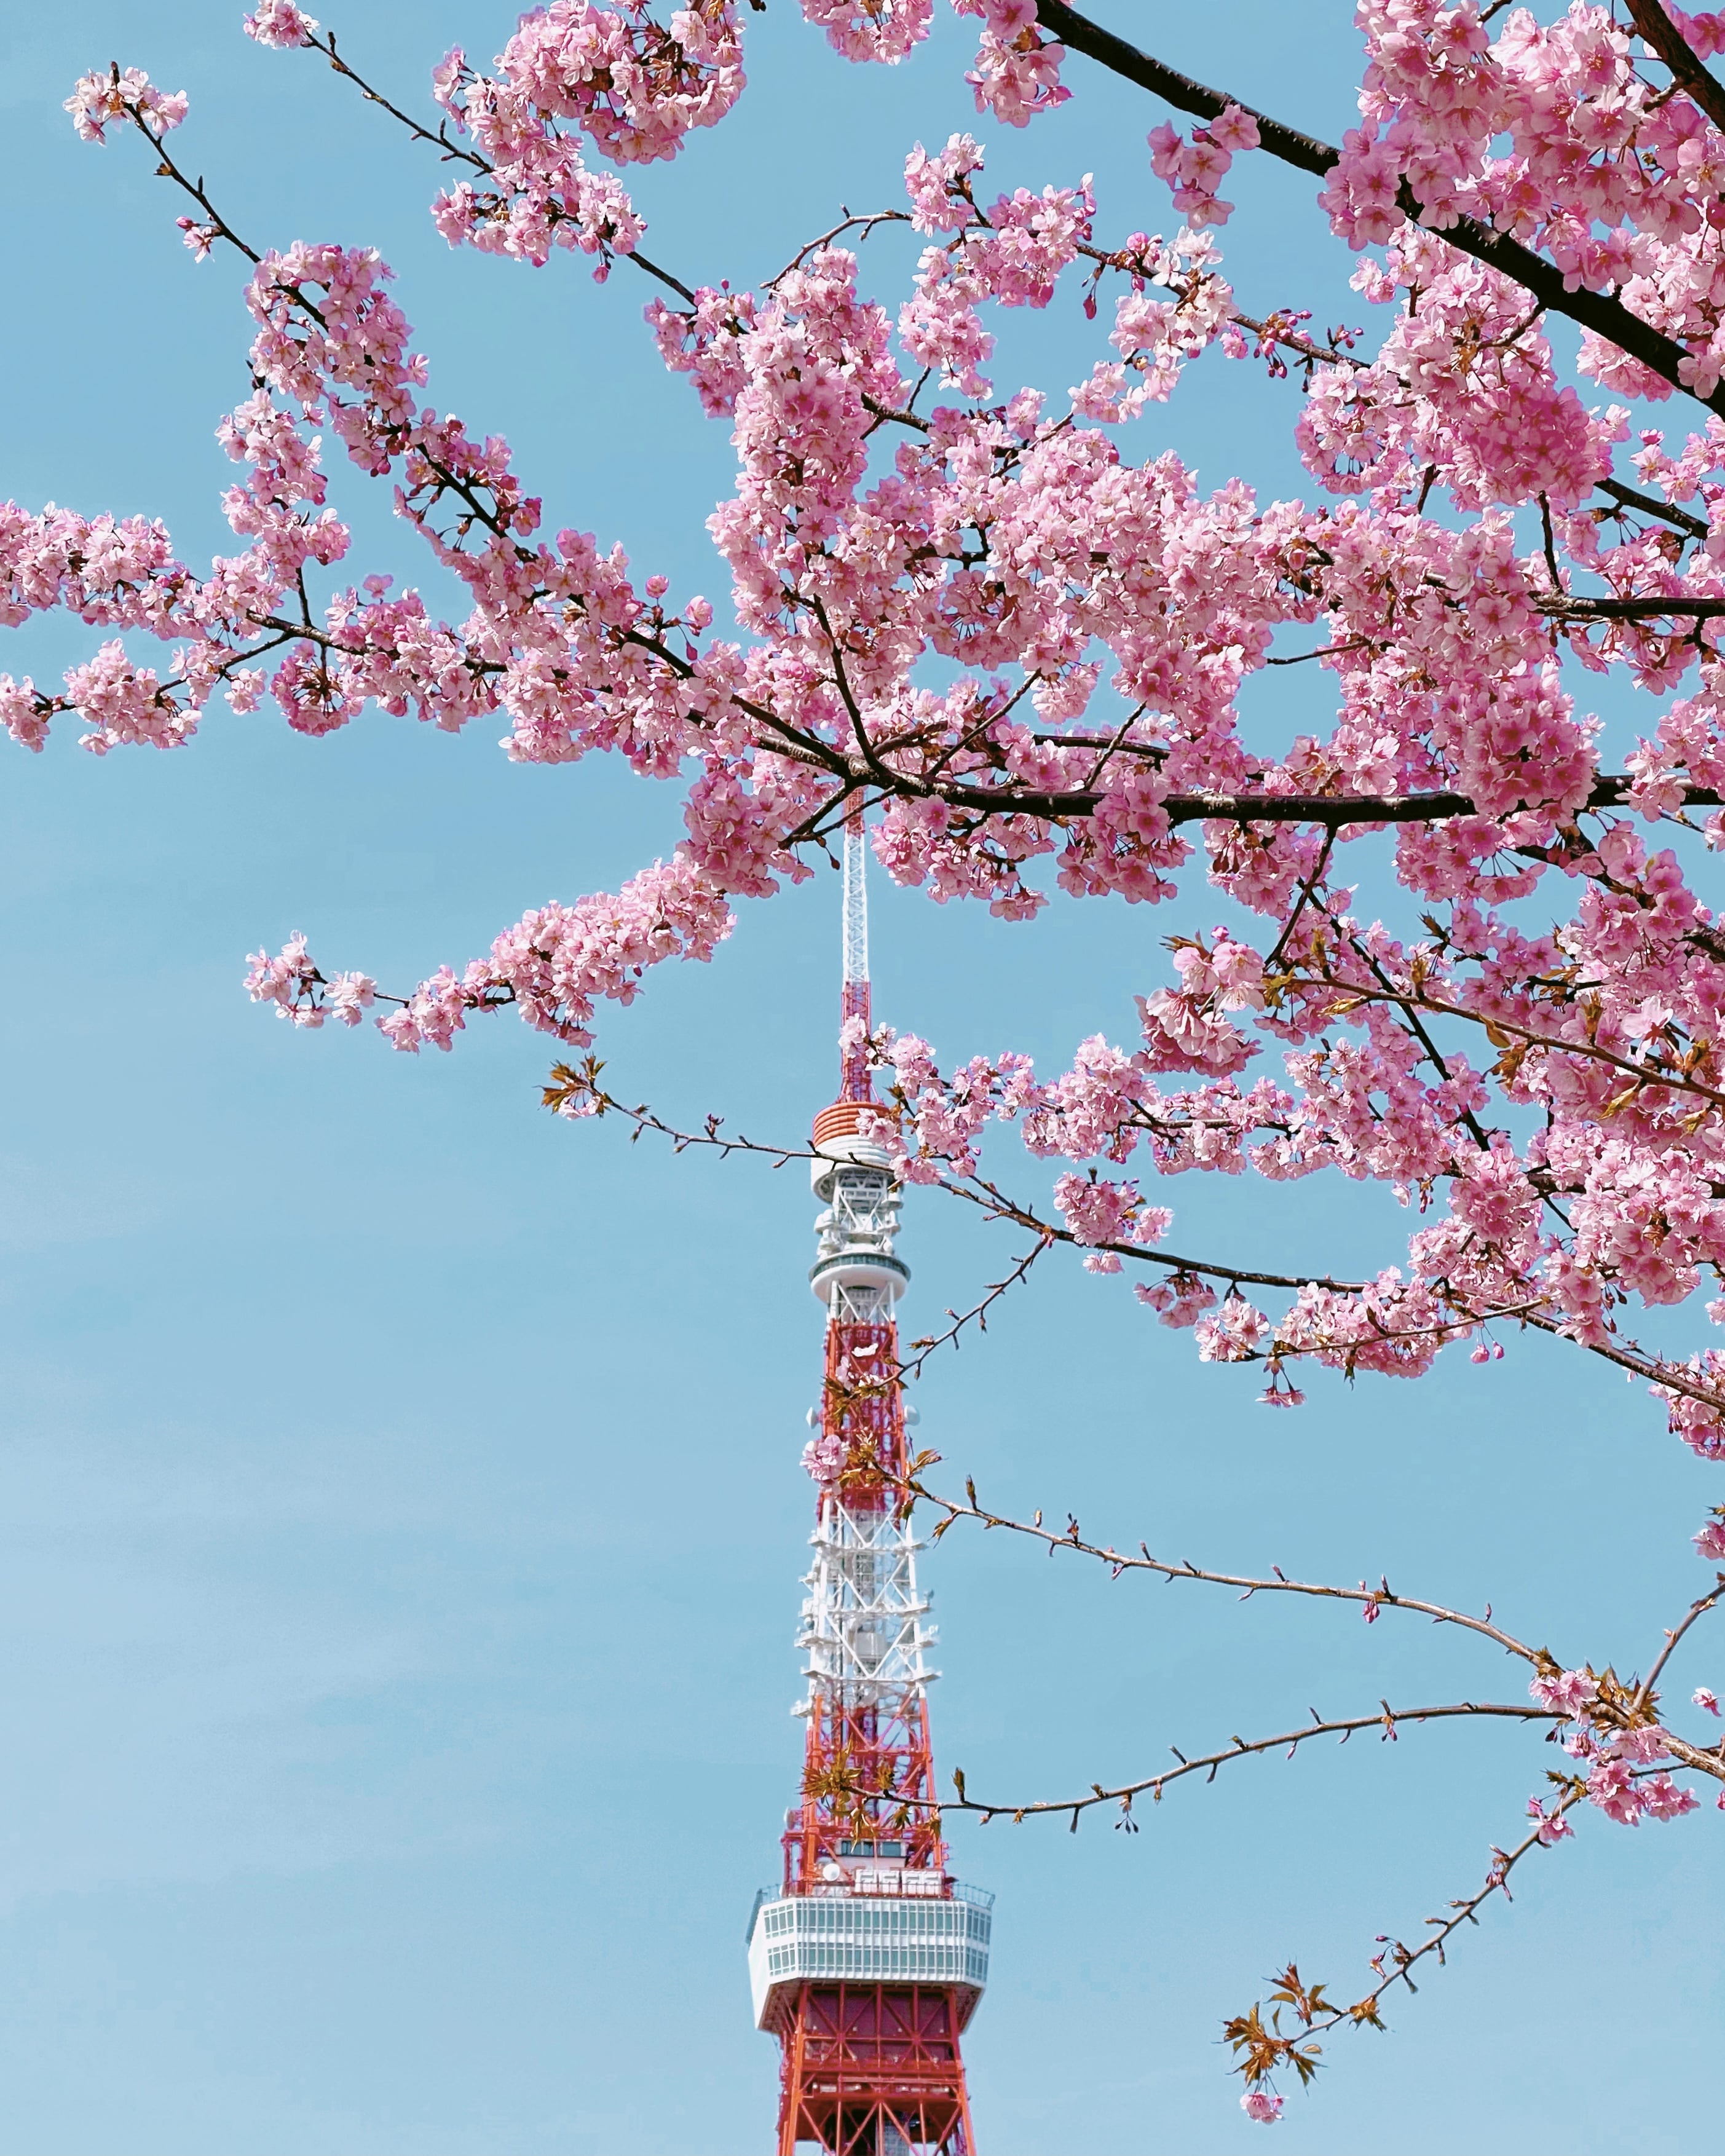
{"type": "Point", "coordinates": [281, 23]}
{"type": "Point", "coordinates": [1611, 176]}
{"type": "Point", "coordinates": [1195, 168]}
{"type": "Point", "coordinates": [1013, 253]}
{"type": "Point", "coordinates": [1017, 75]}
{"type": "Point", "coordinates": [98, 101]}
{"type": "Point", "coordinates": [1559, 1085]}
{"type": "Point", "coordinates": [554, 966]}
{"type": "Point", "coordinates": [1626, 1754]}
{"type": "Point", "coordinates": [1036, 651]}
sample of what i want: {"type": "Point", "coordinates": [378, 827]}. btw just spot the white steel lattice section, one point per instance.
{"type": "Point", "coordinates": [864, 1213]}
{"type": "Point", "coordinates": [856, 1273]}
{"type": "Point", "coordinates": [856, 907]}
{"type": "Point", "coordinates": [862, 1306]}
{"type": "Point", "coordinates": [862, 1623]}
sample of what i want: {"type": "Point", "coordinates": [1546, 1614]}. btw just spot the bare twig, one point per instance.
{"type": "Point", "coordinates": [1381, 1597]}
{"type": "Point", "coordinates": [1386, 1721]}
{"type": "Point", "coordinates": [1697, 1608]}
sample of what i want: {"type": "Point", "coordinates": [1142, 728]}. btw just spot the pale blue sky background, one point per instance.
{"type": "Point", "coordinates": [399, 1510]}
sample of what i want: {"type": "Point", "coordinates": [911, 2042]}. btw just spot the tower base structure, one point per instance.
{"type": "Point", "coordinates": [872, 2064]}
{"type": "Point", "coordinates": [874, 2070]}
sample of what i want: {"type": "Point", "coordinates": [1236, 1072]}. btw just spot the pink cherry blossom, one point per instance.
{"type": "Point", "coordinates": [1017, 74]}
{"type": "Point", "coordinates": [1662, 1799]}
{"type": "Point", "coordinates": [1551, 1827]}
{"type": "Point", "coordinates": [280, 23]}
{"type": "Point", "coordinates": [871, 29]}
{"type": "Point", "coordinates": [1612, 1787]}
{"type": "Point", "coordinates": [1570, 1691]}
{"type": "Point", "coordinates": [1471, 956]}
{"type": "Point", "coordinates": [98, 101]}
{"type": "Point", "coordinates": [1193, 169]}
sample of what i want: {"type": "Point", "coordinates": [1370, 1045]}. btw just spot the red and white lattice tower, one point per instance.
{"type": "Point", "coordinates": [869, 1962]}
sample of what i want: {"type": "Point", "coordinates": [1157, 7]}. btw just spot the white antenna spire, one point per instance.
{"type": "Point", "coordinates": [856, 905]}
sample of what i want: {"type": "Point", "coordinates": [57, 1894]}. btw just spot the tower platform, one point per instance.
{"type": "Point", "coordinates": [881, 1926]}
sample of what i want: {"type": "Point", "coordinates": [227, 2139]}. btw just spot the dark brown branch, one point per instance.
{"type": "Point", "coordinates": [216, 226]}
{"type": "Point", "coordinates": [1674, 1376]}
{"type": "Point", "coordinates": [1644, 607]}
{"type": "Point", "coordinates": [1180, 91]}
{"type": "Point", "coordinates": [977, 1315]}
{"type": "Point", "coordinates": [1628, 497]}
{"type": "Point", "coordinates": [1462, 1912]}
{"type": "Point", "coordinates": [1652, 1075]}
{"type": "Point", "coordinates": [1610, 792]}
{"type": "Point", "coordinates": [1662, 36]}
{"type": "Point", "coordinates": [1607, 318]}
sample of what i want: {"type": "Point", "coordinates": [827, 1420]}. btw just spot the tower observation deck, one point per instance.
{"type": "Point", "coordinates": [867, 1960]}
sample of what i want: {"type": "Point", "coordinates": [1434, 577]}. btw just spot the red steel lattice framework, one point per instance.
{"type": "Point", "coordinates": [869, 1962]}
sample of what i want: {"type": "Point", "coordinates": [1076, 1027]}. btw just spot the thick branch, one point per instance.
{"type": "Point", "coordinates": [1628, 497]}
{"type": "Point", "coordinates": [1626, 1355]}
{"type": "Point", "coordinates": [1662, 36]}
{"type": "Point", "coordinates": [1608, 317]}
{"type": "Point", "coordinates": [1610, 792]}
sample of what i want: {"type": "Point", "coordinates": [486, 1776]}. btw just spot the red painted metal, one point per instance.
{"type": "Point", "coordinates": [868, 2068]}
{"type": "Point", "coordinates": [874, 2070]}
{"type": "Point", "coordinates": [857, 1084]}
{"type": "Point", "coordinates": [889, 1751]}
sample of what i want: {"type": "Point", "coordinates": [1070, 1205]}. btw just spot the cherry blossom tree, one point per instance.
{"type": "Point", "coordinates": [960, 611]}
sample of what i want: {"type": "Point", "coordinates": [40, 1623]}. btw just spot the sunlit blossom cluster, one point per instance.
{"type": "Point", "coordinates": [1096, 619]}
{"type": "Point", "coordinates": [1022, 636]}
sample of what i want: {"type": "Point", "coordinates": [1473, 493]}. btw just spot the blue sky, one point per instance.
{"type": "Point", "coordinates": [400, 1517]}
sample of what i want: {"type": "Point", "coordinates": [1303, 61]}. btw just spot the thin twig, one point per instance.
{"type": "Point", "coordinates": [1387, 1720]}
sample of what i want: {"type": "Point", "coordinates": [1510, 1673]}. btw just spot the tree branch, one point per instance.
{"type": "Point", "coordinates": [1386, 1720]}
{"type": "Point", "coordinates": [1607, 318]}
{"type": "Point", "coordinates": [1661, 35]}
{"type": "Point", "coordinates": [1697, 1608]}
{"type": "Point", "coordinates": [1381, 1597]}
{"type": "Point", "coordinates": [1628, 497]}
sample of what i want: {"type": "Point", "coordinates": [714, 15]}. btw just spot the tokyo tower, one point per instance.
{"type": "Point", "coordinates": [869, 1962]}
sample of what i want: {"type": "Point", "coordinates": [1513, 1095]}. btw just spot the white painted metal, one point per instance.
{"type": "Point", "coordinates": [869, 1939]}
{"type": "Point", "coordinates": [862, 1624]}
{"type": "Point", "coordinates": [834, 1153]}
{"type": "Point", "coordinates": [854, 1240]}
{"type": "Point", "coordinates": [856, 905]}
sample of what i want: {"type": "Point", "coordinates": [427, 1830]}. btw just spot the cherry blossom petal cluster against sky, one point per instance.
{"type": "Point", "coordinates": [959, 603]}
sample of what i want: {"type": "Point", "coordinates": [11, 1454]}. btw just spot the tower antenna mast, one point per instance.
{"type": "Point", "coordinates": [856, 1083]}
{"type": "Point", "coordinates": [869, 1959]}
